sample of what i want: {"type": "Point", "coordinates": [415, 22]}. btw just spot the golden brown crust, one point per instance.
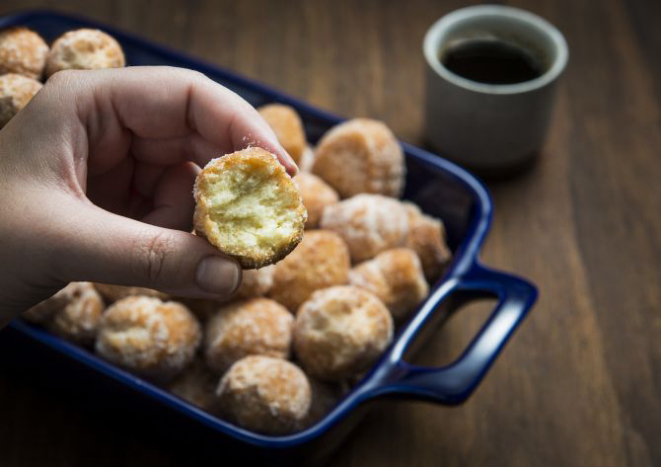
{"type": "Point", "coordinates": [251, 164]}
{"type": "Point", "coordinates": [369, 224]}
{"type": "Point", "coordinates": [426, 236]}
{"type": "Point", "coordinates": [15, 93]}
{"type": "Point", "coordinates": [287, 126]}
{"type": "Point", "coordinates": [361, 156]}
{"type": "Point", "coordinates": [396, 278]}
{"type": "Point", "coordinates": [265, 395]}
{"type": "Point", "coordinates": [340, 332]}
{"type": "Point", "coordinates": [317, 195]}
{"type": "Point", "coordinates": [22, 51]}
{"type": "Point", "coordinates": [84, 49]}
{"type": "Point", "coordinates": [320, 261]}
{"type": "Point", "coordinates": [258, 326]}
{"type": "Point", "coordinates": [152, 338]}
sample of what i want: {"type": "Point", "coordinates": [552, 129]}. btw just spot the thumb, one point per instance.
{"type": "Point", "coordinates": [108, 248]}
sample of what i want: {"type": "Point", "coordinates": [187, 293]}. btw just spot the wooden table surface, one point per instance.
{"type": "Point", "coordinates": [580, 383]}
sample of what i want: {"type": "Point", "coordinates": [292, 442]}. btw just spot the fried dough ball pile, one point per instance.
{"type": "Point", "coordinates": [317, 195]}
{"type": "Point", "coordinates": [25, 59]}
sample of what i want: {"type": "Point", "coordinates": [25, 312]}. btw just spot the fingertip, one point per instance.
{"type": "Point", "coordinates": [218, 275]}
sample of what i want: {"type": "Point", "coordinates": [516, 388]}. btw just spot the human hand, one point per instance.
{"type": "Point", "coordinates": [96, 179]}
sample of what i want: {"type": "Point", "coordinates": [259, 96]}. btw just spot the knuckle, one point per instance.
{"type": "Point", "coordinates": [153, 255]}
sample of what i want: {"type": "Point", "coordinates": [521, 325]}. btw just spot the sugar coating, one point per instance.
{"type": "Point", "coordinates": [396, 278]}
{"type": "Point", "coordinates": [73, 313]}
{"type": "Point", "coordinates": [266, 395]}
{"type": "Point", "coordinates": [22, 51]}
{"type": "Point", "coordinates": [84, 49]}
{"type": "Point", "coordinates": [426, 236]}
{"type": "Point", "coordinates": [361, 156]}
{"type": "Point", "coordinates": [196, 385]}
{"type": "Point", "coordinates": [256, 282]}
{"type": "Point", "coordinates": [152, 338]}
{"type": "Point", "coordinates": [15, 93]}
{"type": "Point", "coordinates": [257, 326]}
{"type": "Point", "coordinates": [287, 126]}
{"type": "Point", "coordinates": [249, 208]}
{"type": "Point", "coordinates": [112, 293]}
{"type": "Point", "coordinates": [368, 224]}
{"type": "Point", "coordinates": [320, 261]}
{"type": "Point", "coordinates": [316, 195]}
{"type": "Point", "coordinates": [340, 332]}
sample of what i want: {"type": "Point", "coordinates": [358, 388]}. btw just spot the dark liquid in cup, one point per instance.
{"type": "Point", "coordinates": [491, 61]}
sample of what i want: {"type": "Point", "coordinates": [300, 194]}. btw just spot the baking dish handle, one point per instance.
{"type": "Point", "coordinates": [454, 383]}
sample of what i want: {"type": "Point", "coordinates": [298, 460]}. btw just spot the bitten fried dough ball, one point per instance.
{"type": "Point", "coordinates": [15, 93]}
{"type": "Point", "coordinates": [73, 313]}
{"type": "Point", "coordinates": [320, 261]}
{"type": "Point", "coordinates": [361, 156]}
{"type": "Point", "coordinates": [287, 126]}
{"type": "Point", "coordinates": [396, 278]}
{"type": "Point", "coordinates": [197, 385]}
{"type": "Point", "coordinates": [316, 195]}
{"type": "Point", "coordinates": [368, 223]}
{"type": "Point", "coordinates": [266, 395]}
{"type": "Point", "coordinates": [340, 332]}
{"type": "Point", "coordinates": [149, 337]}
{"type": "Point", "coordinates": [112, 293]}
{"type": "Point", "coordinates": [249, 208]}
{"type": "Point", "coordinates": [258, 326]}
{"type": "Point", "coordinates": [84, 49]}
{"type": "Point", "coordinates": [426, 236]}
{"type": "Point", "coordinates": [22, 51]}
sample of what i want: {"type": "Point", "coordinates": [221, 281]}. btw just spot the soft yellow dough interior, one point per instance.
{"type": "Point", "coordinates": [250, 209]}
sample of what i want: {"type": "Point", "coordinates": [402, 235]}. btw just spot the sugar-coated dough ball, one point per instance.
{"type": "Point", "coordinates": [426, 236]}
{"type": "Point", "coordinates": [257, 326]}
{"type": "Point", "coordinates": [340, 332]}
{"type": "Point", "coordinates": [320, 261]}
{"type": "Point", "coordinates": [396, 278]}
{"type": "Point", "coordinates": [112, 293]}
{"type": "Point", "coordinates": [149, 337]}
{"type": "Point", "coordinates": [361, 156]}
{"type": "Point", "coordinates": [316, 194]}
{"type": "Point", "coordinates": [22, 51]}
{"type": "Point", "coordinates": [196, 385]}
{"type": "Point", "coordinates": [368, 223]}
{"type": "Point", "coordinates": [84, 49]}
{"type": "Point", "coordinates": [15, 93]}
{"type": "Point", "coordinates": [256, 282]}
{"type": "Point", "coordinates": [249, 208]}
{"type": "Point", "coordinates": [73, 313]}
{"type": "Point", "coordinates": [266, 395]}
{"type": "Point", "coordinates": [307, 160]}
{"type": "Point", "coordinates": [287, 126]}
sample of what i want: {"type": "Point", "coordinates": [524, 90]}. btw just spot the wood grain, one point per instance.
{"type": "Point", "coordinates": [580, 382]}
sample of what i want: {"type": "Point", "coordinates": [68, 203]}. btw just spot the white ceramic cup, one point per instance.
{"type": "Point", "coordinates": [491, 126]}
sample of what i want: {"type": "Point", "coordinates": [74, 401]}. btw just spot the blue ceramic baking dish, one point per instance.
{"type": "Point", "coordinates": [439, 187]}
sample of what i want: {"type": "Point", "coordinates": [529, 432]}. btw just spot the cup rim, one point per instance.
{"type": "Point", "coordinates": [430, 48]}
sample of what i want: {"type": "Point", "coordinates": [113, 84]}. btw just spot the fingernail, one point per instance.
{"type": "Point", "coordinates": [217, 275]}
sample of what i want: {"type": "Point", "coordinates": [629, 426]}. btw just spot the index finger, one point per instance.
{"type": "Point", "coordinates": [173, 113]}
